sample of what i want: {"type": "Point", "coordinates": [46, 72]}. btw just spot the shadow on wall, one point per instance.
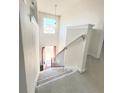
{"type": "Point", "coordinates": [96, 43]}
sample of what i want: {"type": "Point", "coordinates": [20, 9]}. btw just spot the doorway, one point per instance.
{"type": "Point", "coordinates": [48, 54]}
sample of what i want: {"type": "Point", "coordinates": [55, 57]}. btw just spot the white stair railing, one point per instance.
{"type": "Point", "coordinates": [60, 55]}
{"type": "Point", "coordinates": [74, 54]}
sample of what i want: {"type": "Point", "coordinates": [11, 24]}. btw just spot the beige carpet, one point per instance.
{"type": "Point", "coordinates": [92, 81]}
{"type": "Point", "coordinates": [51, 74]}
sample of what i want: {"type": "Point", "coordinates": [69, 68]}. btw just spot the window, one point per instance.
{"type": "Point", "coordinates": [49, 25]}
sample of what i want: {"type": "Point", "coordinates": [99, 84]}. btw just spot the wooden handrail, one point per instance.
{"type": "Point", "coordinates": [81, 36]}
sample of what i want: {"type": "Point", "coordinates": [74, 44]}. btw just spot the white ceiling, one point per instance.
{"type": "Point", "coordinates": [48, 6]}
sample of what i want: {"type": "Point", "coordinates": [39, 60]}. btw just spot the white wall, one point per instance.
{"type": "Point", "coordinates": [96, 43]}
{"type": "Point", "coordinates": [22, 74]}
{"type": "Point", "coordinates": [30, 42]}
{"type": "Point", "coordinates": [86, 12]}
{"type": "Point", "coordinates": [48, 39]}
